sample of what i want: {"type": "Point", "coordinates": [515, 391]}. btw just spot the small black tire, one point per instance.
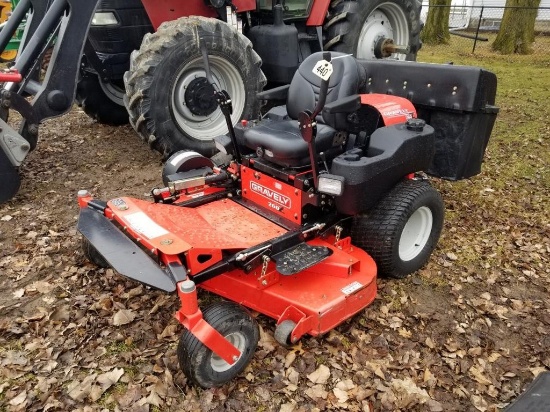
{"type": "Point", "coordinates": [102, 101]}
{"type": "Point", "coordinates": [283, 332]}
{"type": "Point", "coordinates": [202, 366]}
{"type": "Point", "coordinates": [355, 26]}
{"type": "Point", "coordinates": [91, 253]}
{"type": "Point", "coordinates": [402, 230]}
{"type": "Point", "coordinates": [166, 95]}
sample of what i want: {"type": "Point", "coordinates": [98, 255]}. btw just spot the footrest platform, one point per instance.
{"type": "Point", "coordinates": [300, 257]}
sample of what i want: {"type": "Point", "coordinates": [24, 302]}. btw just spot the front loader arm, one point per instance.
{"type": "Point", "coordinates": [66, 23]}
{"type": "Point", "coordinates": [54, 95]}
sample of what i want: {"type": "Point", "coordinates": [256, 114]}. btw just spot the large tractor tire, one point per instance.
{"type": "Point", "coordinates": [166, 93]}
{"type": "Point", "coordinates": [102, 101]}
{"type": "Point", "coordinates": [357, 26]}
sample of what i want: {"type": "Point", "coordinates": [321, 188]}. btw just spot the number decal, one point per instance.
{"type": "Point", "coordinates": [323, 69]}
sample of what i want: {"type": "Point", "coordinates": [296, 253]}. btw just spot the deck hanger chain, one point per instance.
{"type": "Point", "coordinates": [338, 230]}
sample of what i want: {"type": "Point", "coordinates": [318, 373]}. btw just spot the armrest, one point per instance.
{"type": "Point", "coordinates": [278, 93]}
{"type": "Point", "coordinates": [346, 105]}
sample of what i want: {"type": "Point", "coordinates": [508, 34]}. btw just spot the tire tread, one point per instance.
{"type": "Point", "coordinates": [376, 232]}
{"type": "Point", "coordinates": [143, 64]}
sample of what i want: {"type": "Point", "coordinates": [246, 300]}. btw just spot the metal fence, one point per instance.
{"type": "Point", "coordinates": [475, 27]}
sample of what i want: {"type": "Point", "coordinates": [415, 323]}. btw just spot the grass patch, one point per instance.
{"type": "Point", "coordinates": [106, 401]}
{"type": "Point", "coordinates": [119, 347]}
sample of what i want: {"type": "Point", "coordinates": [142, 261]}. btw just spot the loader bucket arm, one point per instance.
{"type": "Point", "coordinates": [68, 23]}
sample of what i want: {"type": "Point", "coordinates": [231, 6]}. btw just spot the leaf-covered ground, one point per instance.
{"type": "Point", "coordinates": [468, 332]}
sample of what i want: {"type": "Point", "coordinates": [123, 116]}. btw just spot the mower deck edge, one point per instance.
{"type": "Point", "coordinates": [122, 254]}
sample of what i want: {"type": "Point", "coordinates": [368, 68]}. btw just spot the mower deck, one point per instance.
{"type": "Point", "coordinates": [174, 229]}
{"type": "Point", "coordinates": [316, 299]}
{"type": "Point", "coordinates": [536, 397]}
{"type": "Point", "coordinates": [319, 284]}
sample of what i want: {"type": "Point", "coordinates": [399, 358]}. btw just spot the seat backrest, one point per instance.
{"type": "Point", "coordinates": [347, 79]}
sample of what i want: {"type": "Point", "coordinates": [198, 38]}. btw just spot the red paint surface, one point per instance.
{"type": "Point", "coordinates": [393, 109]}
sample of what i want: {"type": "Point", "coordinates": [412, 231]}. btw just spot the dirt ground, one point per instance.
{"type": "Point", "coordinates": [466, 333]}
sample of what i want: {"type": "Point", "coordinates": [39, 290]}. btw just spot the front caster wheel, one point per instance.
{"type": "Point", "coordinates": [202, 366]}
{"type": "Point", "coordinates": [93, 255]}
{"type": "Point", "coordinates": [283, 332]}
{"type": "Point", "coordinates": [402, 230]}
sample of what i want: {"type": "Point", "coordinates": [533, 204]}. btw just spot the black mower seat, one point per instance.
{"type": "Point", "coordinates": [279, 141]}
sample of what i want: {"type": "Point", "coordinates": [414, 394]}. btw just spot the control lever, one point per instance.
{"type": "Point", "coordinates": [306, 119]}
{"type": "Point", "coordinates": [324, 88]}
{"type": "Point", "coordinates": [223, 99]}
{"type": "Point", "coordinates": [204, 53]}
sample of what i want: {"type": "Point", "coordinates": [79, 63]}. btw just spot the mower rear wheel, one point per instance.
{"type": "Point", "coordinates": [202, 366]}
{"type": "Point", "coordinates": [93, 255]}
{"type": "Point", "coordinates": [283, 332]}
{"type": "Point", "coordinates": [402, 230]}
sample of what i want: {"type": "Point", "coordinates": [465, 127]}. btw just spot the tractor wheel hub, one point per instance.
{"type": "Point", "coordinates": [199, 97]}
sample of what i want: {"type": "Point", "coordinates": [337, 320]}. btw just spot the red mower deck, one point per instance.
{"type": "Point", "coordinates": [316, 299]}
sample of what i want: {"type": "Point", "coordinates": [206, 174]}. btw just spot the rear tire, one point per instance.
{"type": "Point", "coordinates": [166, 91]}
{"type": "Point", "coordinates": [202, 366]}
{"type": "Point", "coordinates": [402, 230]}
{"type": "Point", "coordinates": [355, 26]}
{"type": "Point", "coordinates": [102, 101]}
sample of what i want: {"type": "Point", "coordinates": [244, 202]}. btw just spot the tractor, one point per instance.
{"type": "Point", "coordinates": [313, 202]}
{"type": "Point", "coordinates": [139, 61]}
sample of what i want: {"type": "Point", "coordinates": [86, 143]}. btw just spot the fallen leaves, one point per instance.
{"type": "Point", "coordinates": [123, 317]}
{"type": "Point", "coordinates": [477, 374]}
{"type": "Point", "coordinates": [19, 399]}
{"type": "Point", "coordinates": [108, 379]}
{"type": "Point", "coordinates": [468, 332]}
{"type": "Point", "coordinates": [320, 375]}
{"type": "Point", "coordinates": [80, 390]}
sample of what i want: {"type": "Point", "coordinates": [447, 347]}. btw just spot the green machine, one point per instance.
{"type": "Point", "coordinates": [10, 53]}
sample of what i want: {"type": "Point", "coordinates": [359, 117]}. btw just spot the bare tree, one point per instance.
{"type": "Point", "coordinates": [436, 30]}
{"type": "Point", "coordinates": [517, 29]}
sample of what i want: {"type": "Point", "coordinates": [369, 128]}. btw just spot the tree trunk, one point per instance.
{"type": "Point", "coordinates": [436, 30]}
{"type": "Point", "coordinates": [517, 28]}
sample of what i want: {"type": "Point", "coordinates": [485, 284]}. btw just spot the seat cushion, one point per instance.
{"type": "Point", "coordinates": [280, 142]}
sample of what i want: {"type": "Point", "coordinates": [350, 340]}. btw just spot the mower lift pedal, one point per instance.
{"type": "Point", "coordinates": [300, 257]}
{"type": "Point", "coordinates": [536, 397]}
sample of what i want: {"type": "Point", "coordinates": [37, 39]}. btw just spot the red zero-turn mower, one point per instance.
{"type": "Point", "coordinates": [309, 208]}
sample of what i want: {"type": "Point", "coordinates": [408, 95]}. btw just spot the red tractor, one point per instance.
{"type": "Point", "coordinates": [314, 201]}
{"type": "Point", "coordinates": [247, 41]}
{"type": "Point", "coordinates": [160, 87]}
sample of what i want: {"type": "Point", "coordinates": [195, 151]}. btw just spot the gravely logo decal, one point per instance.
{"type": "Point", "coordinates": [271, 194]}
